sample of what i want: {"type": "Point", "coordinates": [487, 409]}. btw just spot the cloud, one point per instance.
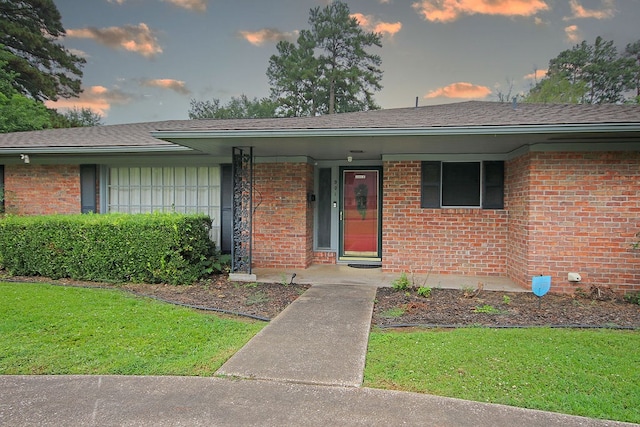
{"type": "Point", "coordinates": [170, 84]}
{"type": "Point", "coordinates": [460, 90]}
{"type": "Point", "coordinates": [579, 12]}
{"type": "Point", "coordinates": [258, 38]}
{"type": "Point", "coordinates": [195, 5]}
{"type": "Point", "coordinates": [139, 39]}
{"type": "Point", "coordinates": [536, 75]}
{"type": "Point", "coordinates": [370, 23]}
{"type": "Point", "coordinates": [97, 98]}
{"type": "Point", "coordinates": [573, 33]}
{"type": "Point", "coordinates": [450, 10]}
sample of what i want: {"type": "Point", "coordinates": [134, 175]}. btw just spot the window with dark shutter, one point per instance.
{"type": "Point", "coordinates": [463, 184]}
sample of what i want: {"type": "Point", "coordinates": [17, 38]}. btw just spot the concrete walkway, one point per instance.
{"type": "Point", "coordinates": [340, 274]}
{"type": "Point", "coordinates": [321, 338]}
{"type": "Point", "coordinates": [192, 401]}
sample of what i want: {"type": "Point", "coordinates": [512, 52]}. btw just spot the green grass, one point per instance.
{"type": "Point", "coordinates": [64, 330]}
{"type": "Point", "coordinates": [593, 373]}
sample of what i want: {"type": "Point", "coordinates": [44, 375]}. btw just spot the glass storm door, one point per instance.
{"type": "Point", "coordinates": [360, 215]}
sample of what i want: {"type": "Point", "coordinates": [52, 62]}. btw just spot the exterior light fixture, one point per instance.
{"type": "Point", "coordinates": [25, 158]}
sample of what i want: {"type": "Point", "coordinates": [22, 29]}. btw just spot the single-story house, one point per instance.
{"type": "Point", "coordinates": [477, 188]}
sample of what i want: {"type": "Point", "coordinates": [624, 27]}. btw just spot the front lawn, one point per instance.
{"type": "Point", "coordinates": [47, 329]}
{"type": "Point", "coordinates": [593, 373]}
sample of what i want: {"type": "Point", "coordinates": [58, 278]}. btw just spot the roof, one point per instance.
{"type": "Point", "coordinates": [463, 114]}
{"type": "Point", "coordinates": [133, 137]}
{"type": "Point", "coordinates": [379, 132]}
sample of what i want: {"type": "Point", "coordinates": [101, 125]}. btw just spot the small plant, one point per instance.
{"type": "Point", "coordinates": [402, 283]}
{"type": "Point", "coordinates": [257, 298]}
{"type": "Point", "coordinates": [632, 298]}
{"type": "Point", "coordinates": [424, 291]}
{"type": "Point", "coordinates": [487, 309]}
{"type": "Point", "coordinates": [506, 299]}
{"type": "Point", "coordinates": [392, 313]}
{"type": "Point", "coordinates": [251, 285]}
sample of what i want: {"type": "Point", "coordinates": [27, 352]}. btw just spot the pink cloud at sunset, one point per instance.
{"type": "Point", "coordinates": [450, 10]}
{"type": "Point", "coordinates": [170, 84]}
{"type": "Point", "coordinates": [370, 23]}
{"type": "Point", "coordinates": [97, 99]}
{"type": "Point", "coordinates": [536, 75]}
{"type": "Point", "coordinates": [258, 38]}
{"type": "Point", "coordinates": [573, 33]}
{"type": "Point", "coordinates": [579, 12]}
{"type": "Point", "coordinates": [139, 39]}
{"type": "Point", "coordinates": [460, 90]}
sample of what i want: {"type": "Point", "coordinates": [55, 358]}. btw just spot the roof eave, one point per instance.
{"type": "Point", "coordinates": [372, 132]}
{"type": "Point", "coordinates": [95, 150]}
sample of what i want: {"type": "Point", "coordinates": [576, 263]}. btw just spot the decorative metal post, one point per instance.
{"type": "Point", "coordinates": [242, 171]}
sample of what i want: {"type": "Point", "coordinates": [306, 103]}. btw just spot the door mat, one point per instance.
{"type": "Point", "coordinates": [364, 265]}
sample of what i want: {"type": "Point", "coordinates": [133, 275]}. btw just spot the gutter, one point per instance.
{"type": "Point", "coordinates": [373, 132]}
{"type": "Point", "coordinates": [95, 150]}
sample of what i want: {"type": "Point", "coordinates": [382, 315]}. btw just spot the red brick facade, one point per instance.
{"type": "Point", "coordinates": [583, 212]}
{"type": "Point", "coordinates": [564, 212]}
{"type": "Point", "coordinates": [42, 189]}
{"type": "Point", "coordinates": [459, 241]}
{"type": "Point", "coordinates": [283, 219]}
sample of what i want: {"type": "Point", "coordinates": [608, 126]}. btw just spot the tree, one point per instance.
{"type": "Point", "coordinates": [237, 108]}
{"type": "Point", "coordinates": [29, 30]}
{"type": "Point", "coordinates": [83, 117]}
{"type": "Point", "coordinates": [632, 52]}
{"type": "Point", "coordinates": [343, 75]}
{"type": "Point", "coordinates": [294, 77]}
{"type": "Point", "coordinates": [589, 74]}
{"type": "Point", "coordinates": [17, 112]}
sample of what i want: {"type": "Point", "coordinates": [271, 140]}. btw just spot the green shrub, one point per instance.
{"type": "Point", "coordinates": [424, 291]}
{"type": "Point", "coordinates": [632, 298]}
{"type": "Point", "coordinates": [401, 284]}
{"type": "Point", "coordinates": [170, 248]}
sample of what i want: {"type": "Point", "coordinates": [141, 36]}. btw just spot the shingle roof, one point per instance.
{"type": "Point", "coordinates": [471, 113]}
{"type": "Point", "coordinates": [125, 137]}
{"type": "Point", "coordinates": [137, 136]}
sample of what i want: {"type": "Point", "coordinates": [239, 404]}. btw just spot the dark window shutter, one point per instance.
{"type": "Point", "coordinates": [430, 184]}
{"type": "Point", "coordinates": [493, 185]}
{"type": "Point", "coordinates": [1, 188]}
{"type": "Point", "coordinates": [88, 182]}
{"type": "Point", "coordinates": [324, 204]}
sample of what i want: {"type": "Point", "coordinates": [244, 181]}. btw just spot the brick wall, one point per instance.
{"type": "Point", "coordinates": [283, 220]}
{"type": "Point", "coordinates": [584, 210]}
{"type": "Point", "coordinates": [42, 189]}
{"type": "Point", "coordinates": [456, 241]}
{"type": "Point", "coordinates": [517, 188]}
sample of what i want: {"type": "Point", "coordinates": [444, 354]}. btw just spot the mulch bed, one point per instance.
{"type": "Point", "coordinates": [443, 308]}
{"type": "Point", "coordinates": [453, 308]}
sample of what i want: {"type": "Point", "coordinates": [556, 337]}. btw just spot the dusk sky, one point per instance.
{"type": "Point", "coordinates": [146, 59]}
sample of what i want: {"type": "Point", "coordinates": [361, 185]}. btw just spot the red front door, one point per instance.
{"type": "Point", "coordinates": [360, 214]}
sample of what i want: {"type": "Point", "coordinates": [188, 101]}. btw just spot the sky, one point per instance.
{"type": "Point", "coordinates": [147, 59]}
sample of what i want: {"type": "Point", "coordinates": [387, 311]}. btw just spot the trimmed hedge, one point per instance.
{"type": "Point", "coordinates": [151, 248]}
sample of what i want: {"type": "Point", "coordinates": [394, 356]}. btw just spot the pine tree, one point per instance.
{"type": "Point", "coordinates": [329, 70]}
{"type": "Point", "coordinates": [29, 30]}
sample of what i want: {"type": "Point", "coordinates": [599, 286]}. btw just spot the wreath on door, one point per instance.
{"type": "Point", "coordinates": [361, 192]}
